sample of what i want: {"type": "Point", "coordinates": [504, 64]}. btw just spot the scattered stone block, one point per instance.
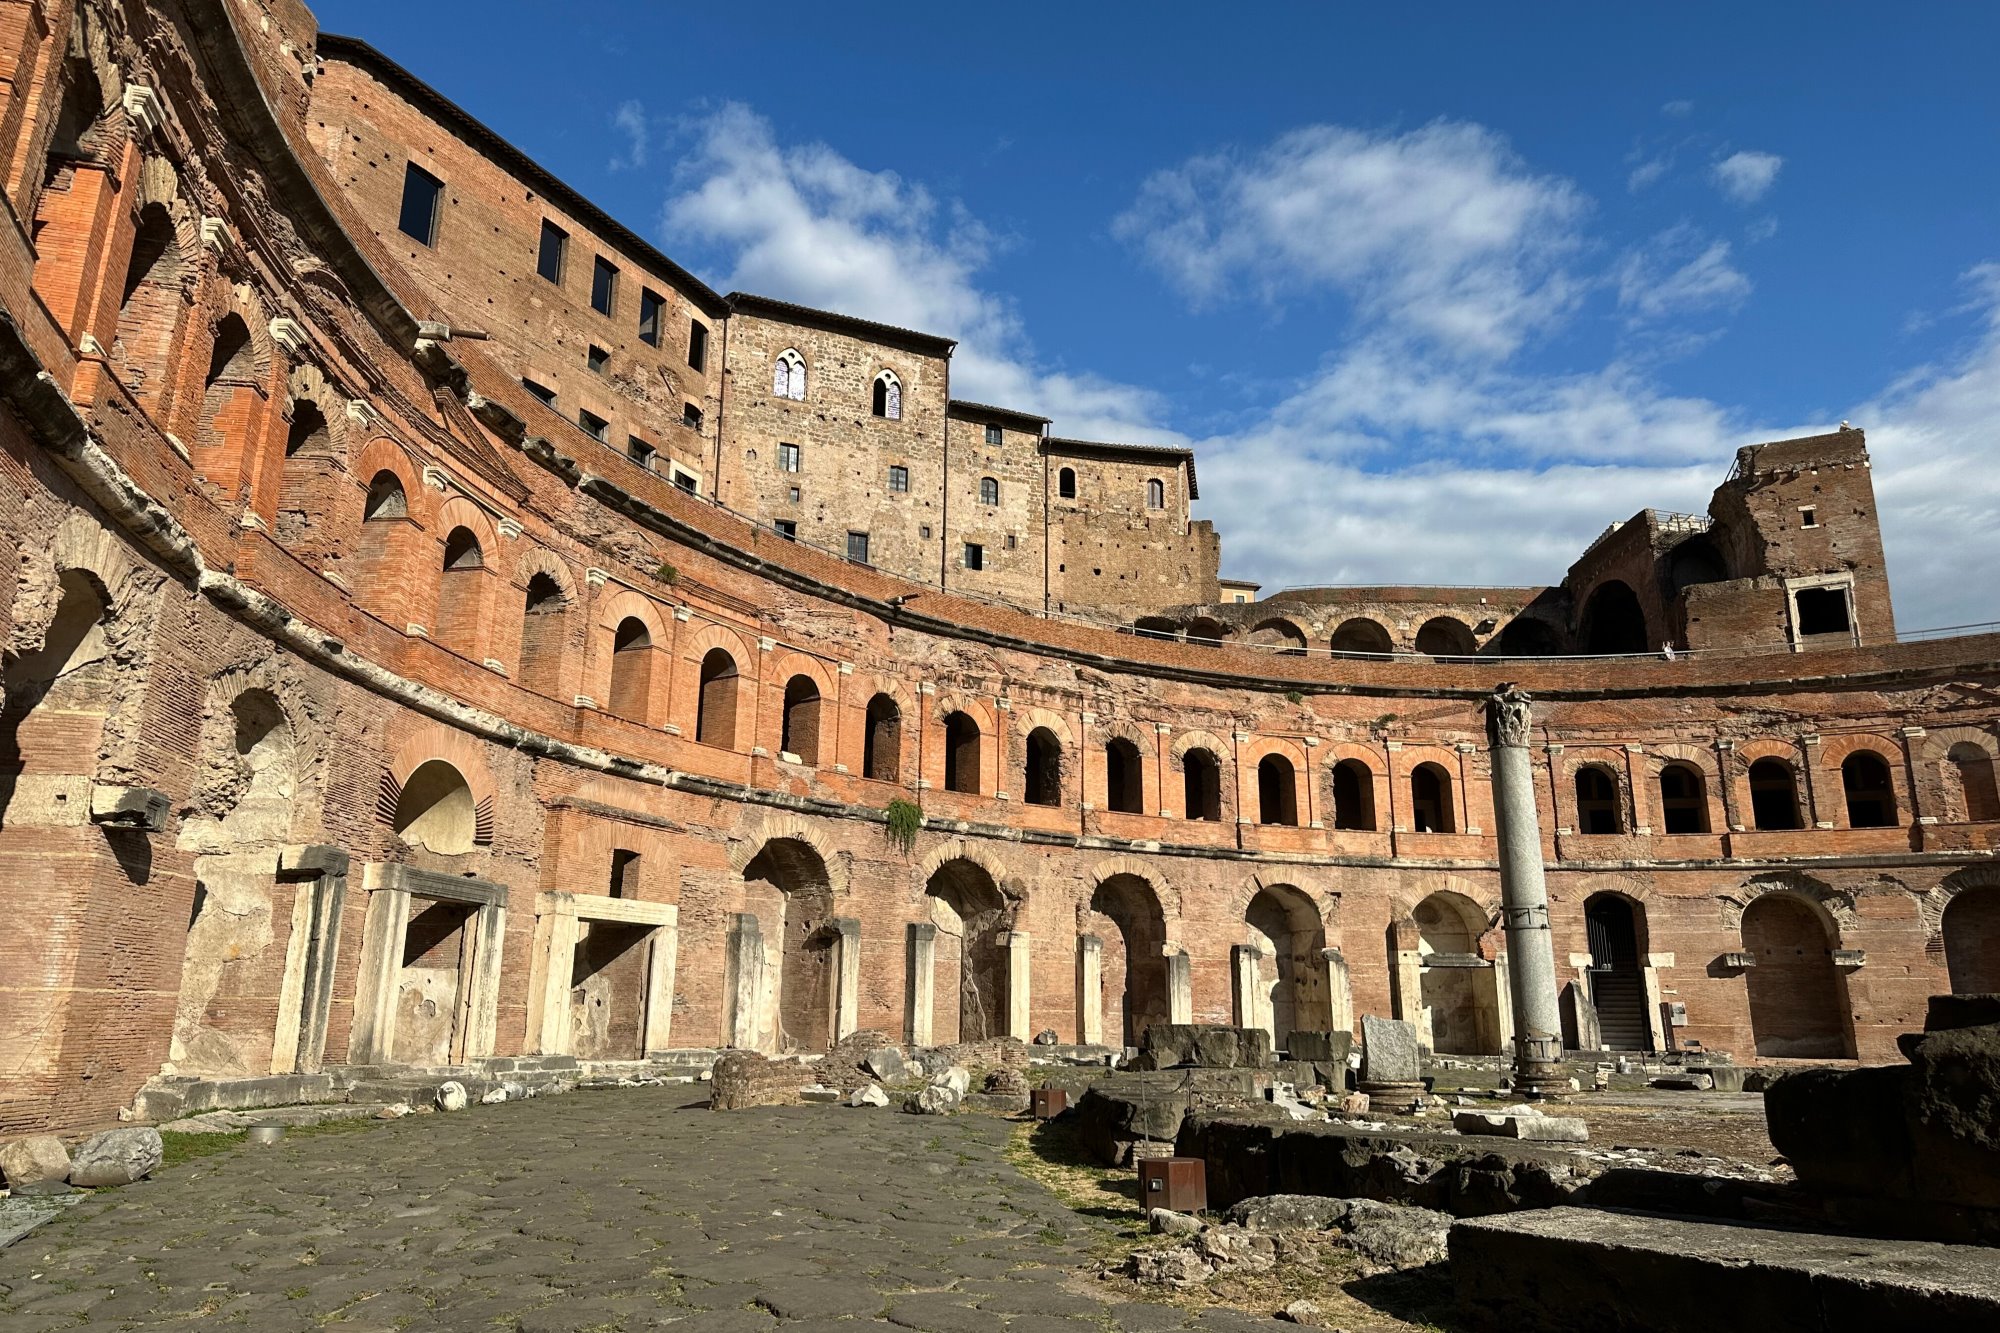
{"type": "Point", "coordinates": [1047, 1037]}
{"type": "Point", "coordinates": [451, 1095]}
{"type": "Point", "coordinates": [819, 1093]}
{"type": "Point", "coordinates": [886, 1064]}
{"type": "Point", "coordinates": [1389, 1051]}
{"type": "Point", "coordinates": [936, 1099]}
{"type": "Point", "coordinates": [38, 1164]}
{"type": "Point", "coordinates": [1354, 1103]}
{"type": "Point", "coordinates": [1204, 1045]}
{"type": "Point", "coordinates": [744, 1079]}
{"type": "Point", "coordinates": [1167, 1222]}
{"type": "Point", "coordinates": [493, 1097]}
{"type": "Point", "coordinates": [1304, 1313]}
{"type": "Point", "coordinates": [957, 1078]}
{"type": "Point", "coordinates": [1528, 1126]}
{"type": "Point", "coordinates": [1330, 1048]}
{"type": "Point", "coordinates": [117, 1157]}
{"type": "Point", "coordinates": [871, 1095]}
{"type": "Point", "coordinates": [1007, 1083]}
{"type": "Point", "coordinates": [1683, 1083]}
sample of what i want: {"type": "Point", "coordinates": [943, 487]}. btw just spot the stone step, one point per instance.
{"type": "Point", "coordinates": [1577, 1270]}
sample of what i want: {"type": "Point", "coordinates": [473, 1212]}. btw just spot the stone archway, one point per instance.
{"type": "Point", "coordinates": [1798, 1003]}
{"type": "Point", "coordinates": [1459, 987]}
{"type": "Point", "coordinates": [1971, 929]}
{"type": "Point", "coordinates": [1291, 995]}
{"type": "Point", "coordinates": [1133, 979]}
{"type": "Point", "coordinates": [787, 882]}
{"type": "Point", "coordinates": [970, 962]}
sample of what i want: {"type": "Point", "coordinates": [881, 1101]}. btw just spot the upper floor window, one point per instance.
{"type": "Point", "coordinates": [989, 491]}
{"type": "Point", "coordinates": [603, 286]}
{"type": "Point", "coordinates": [686, 480]}
{"type": "Point", "coordinates": [421, 193]}
{"type": "Point", "coordinates": [788, 458]}
{"type": "Point", "coordinates": [788, 376]}
{"type": "Point", "coordinates": [640, 452]}
{"type": "Point", "coordinates": [1066, 483]}
{"type": "Point", "coordinates": [888, 396]}
{"type": "Point", "coordinates": [650, 303]}
{"type": "Point", "coordinates": [691, 416]}
{"type": "Point", "coordinates": [555, 249]}
{"type": "Point", "coordinates": [697, 345]}
{"type": "Point", "coordinates": [899, 477]}
{"type": "Point", "coordinates": [975, 556]}
{"type": "Point", "coordinates": [541, 391]}
{"type": "Point", "coordinates": [993, 434]}
{"type": "Point", "coordinates": [597, 359]}
{"type": "Point", "coordinates": [857, 547]}
{"type": "Point", "coordinates": [1156, 494]}
{"type": "Point", "coordinates": [593, 425]}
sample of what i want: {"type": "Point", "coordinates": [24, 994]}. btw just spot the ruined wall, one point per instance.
{"type": "Point", "coordinates": [1109, 548]}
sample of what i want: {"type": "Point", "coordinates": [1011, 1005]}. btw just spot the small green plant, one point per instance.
{"type": "Point", "coordinates": [667, 574]}
{"type": "Point", "coordinates": [1294, 697]}
{"type": "Point", "coordinates": [902, 820]}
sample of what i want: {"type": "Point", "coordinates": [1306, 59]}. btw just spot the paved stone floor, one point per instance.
{"type": "Point", "coordinates": [598, 1210]}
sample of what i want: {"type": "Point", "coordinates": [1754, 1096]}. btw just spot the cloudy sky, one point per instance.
{"type": "Point", "coordinates": [1436, 293]}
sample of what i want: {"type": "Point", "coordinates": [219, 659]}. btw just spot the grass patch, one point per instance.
{"type": "Point", "coordinates": [180, 1148]}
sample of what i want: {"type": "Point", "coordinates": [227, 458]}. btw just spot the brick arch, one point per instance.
{"type": "Point", "coordinates": [1698, 757]}
{"type": "Point", "coordinates": [464, 754]}
{"type": "Point", "coordinates": [534, 560]}
{"type": "Point", "coordinates": [991, 741]}
{"type": "Point", "coordinates": [1935, 746]}
{"type": "Point", "coordinates": [383, 453]}
{"type": "Point", "coordinates": [1097, 768]}
{"type": "Point", "coordinates": [1611, 761]}
{"type": "Point", "coordinates": [959, 849]}
{"type": "Point", "coordinates": [695, 645]}
{"type": "Point", "coordinates": [152, 324]}
{"type": "Point", "coordinates": [1766, 747]}
{"type": "Point", "coordinates": [458, 512]}
{"type": "Point", "coordinates": [1931, 904]}
{"type": "Point", "coordinates": [87, 547]}
{"type": "Point", "coordinates": [243, 301]}
{"type": "Point", "coordinates": [784, 827]}
{"type": "Point", "coordinates": [1027, 719]}
{"type": "Point", "coordinates": [1112, 866]}
{"type": "Point", "coordinates": [1257, 747]}
{"type": "Point", "coordinates": [789, 662]}
{"type": "Point", "coordinates": [1404, 898]}
{"type": "Point", "coordinates": [1325, 903]}
{"type": "Point", "coordinates": [780, 669]}
{"type": "Point", "coordinates": [1835, 906]}
{"type": "Point", "coordinates": [279, 678]}
{"type": "Point", "coordinates": [612, 611]}
{"type": "Point", "coordinates": [1206, 740]}
{"type": "Point", "coordinates": [1834, 751]}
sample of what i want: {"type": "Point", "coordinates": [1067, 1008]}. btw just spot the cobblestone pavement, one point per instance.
{"type": "Point", "coordinates": [599, 1210]}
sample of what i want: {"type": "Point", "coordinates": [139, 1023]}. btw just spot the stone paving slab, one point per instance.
{"type": "Point", "coordinates": [619, 1211]}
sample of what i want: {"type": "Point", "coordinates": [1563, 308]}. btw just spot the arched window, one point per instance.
{"type": "Point", "coordinates": [1277, 797]}
{"type": "Point", "coordinates": [800, 734]}
{"type": "Point", "coordinates": [1362, 637]}
{"type": "Point", "coordinates": [715, 713]}
{"type": "Point", "coordinates": [435, 809]}
{"type": "Point", "coordinates": [542, 646]}
{"type": "Point", "coordinates": [1430, 800]}
{"type": "Point", "coordinates": [788, 376]}
{"type": "Point", "coordinates": [1976, 785]}
{"type": "Point", "coordinates": [1201, 785]}
{"type": "Point", "coordinates": [1597, 802]}
{"type": "Point", "coordinates": [882, 746]}
{"type": "Point", "coordinates": [1156, 494]}
{"type": "Point", "coordinates": [1066, 483]}
{"type": "Point", "coordinates": [1774, 795]}
{"type": "Point", "coordinates": [149, 312]}
{"type": "Point", "coordinates": [1614, 622]}
{"type": "Point", "coordinates": [631, 668]}
{"type": "Point", "coordinates": [1683, 799]}
{"type": "Point", "coordinates": [459, 588]}
{"type": "Point", "coordinates": [888, 400]}
{"type": "Point", "coordinates": [1124, 777]}
{"type": "Point", "coordinates": [230, 367]}
{"type": "Point", "coordinates": [1042, 779]}
{"type": "Point", "coordinates": [961, 754]}
{"type": "Point", "coordinates": [386, 499]}
{"type": "Point", "coordinates": [1353, 795]}
{"type": "Point", "coordinates": [1443, 636]}
{"type": "Point", "coordinates": [989, 491]}
{"type": "Point", "coordinates": [1871, 795]}
{"type": "Point", "coordinates": [308, 433]}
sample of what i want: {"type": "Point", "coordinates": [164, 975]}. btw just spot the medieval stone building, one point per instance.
{"type": "Point", "coordinates": [443, 629]}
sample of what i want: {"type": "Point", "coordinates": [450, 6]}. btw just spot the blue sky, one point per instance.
{"type": "Point", "coordinates": [1437, 292]}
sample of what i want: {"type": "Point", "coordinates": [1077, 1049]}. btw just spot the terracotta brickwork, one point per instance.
{"type": "Point", "coordinates": [352, 709]}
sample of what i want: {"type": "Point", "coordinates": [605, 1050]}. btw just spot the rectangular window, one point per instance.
{"type": "Point", "coordinates": [555, 248]}
{"type": "Point", "coordinates": [603, 286]}
{"type": "Point", "coordinates": [1010, 541]}
{"type": "Point", "coordinates": [649, 316]}
{"type": "Point", "coordinates": [1808, 517]}
{"type": "Point", "coordinates": [541, 391]}
{"type": "Point", "coordinates": [993, 435]}
{"type": "Point", "coordinates": [639, 452]}
{"type": "Point", "coordinates": [593, 424]}
{"type": "Point", "coordinates": [687, 480]}
{"type": "Point", "coordinates": [421, 193]}
{"type": "Point", "coordinates": [924, 531]}
{"type": "Point", "coordinates": [691, 416]}
{"type": "Point", "coordinates": [624, 873]}
{"type": "Point", "coordinates": [795, 495]}
{"type": "Point", "coordinates": [788, 529]}
{"type": "Point", "coordinates": [975, 556]}
{"type": "Point", "coordinates": [788, 458]}
{"type": "Point", "coordinates": [697, 345]}
{"type": "Point", "coordinates": [899, 478]}
{"type": "Point", "coordinates": [597, 359]}
{"type": "Point", "coordinates": [857, 547]}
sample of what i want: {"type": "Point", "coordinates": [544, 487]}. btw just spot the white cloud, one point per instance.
{"type": "Point", "coordinates": [1678, 108]}
{"type": "Point", "coordinates": [1646, 174]}
{"type": "Point", "coordinates": [1441, 232]}
{"type": "Point", "coordinates": [630, 120]}
{"type": "Point", "coordinates": [1677, 274]}
{"type": "Point", "coordinates": [1745, 176]}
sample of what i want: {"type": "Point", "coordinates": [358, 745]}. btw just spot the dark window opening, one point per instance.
{"type": "Point", "coordinates": [1043, 778]}
{"type": "Point", "coordinates": [421, 194]}
{"type": "Point", "coordinates": [1124, 777]}
{"type": "Point", "coordinates": [800, 732]}
{"type": "Point", "coordinates": [691, 417]}
{"type": "Point", "coordinates": [641, 453]}
{"type": "Point", "coordinates": [788, 458]}
{"type": "Point", "coordinates": [787, 528]}
{"type": "Point", "coordinates": [1277, 797]}
{"type": "Point", "coordinates": [899, 478]}
{"type": "Point", "coordinates": [961, 752]}
{"type": "Point", "coordinates": [308, 428]}
{"type": "Point", "coordinates": [975, 556]}
{"type": "Point", "coordinates": [993, 435]}
{"type": "Point", "coordinates": [593, 425]}
{"type": "Point", "coordinates": [1353, 796]}
{"type": "Point", "coordinates": [989, 491]}
{"type": "Point", "coordinates": [1614, 622]}
{"type": "Point", "coordinates": [624, 873]}
{"type": "Point", "coordinates": [1201, 785]}
{"type": "Point", "coordinates": [888, 397]}
{"type": "Point", "coordinates": [461, 551]}
{"type": "Point", "coordinates": [1597, 802]}
{"type": "Point", "coordinates": [1808, 518]}
{"type": "Point", "coordinates": [603, 286]}
{"type": "Point", "coordinates": [1976, 783]}
{"type": "Point", "coordinates": [555, 249]}
{"type": "Point", "coordinates": [697, 345]}
{"type": "Point", "coordinates": [882, 745]}
{"type": "Point", "coordinates": [597, 359]}
{"type": "Point", "coordinates": [1822, 610]}
{"type": "Point", "coordinates": [1871, 795]}
{"type": "Point", "coordinates": [649, 316]}
{"type": "Point", "coordinates": [1066, 483]}
{"type": "Point", "coordinates": [1683, 800]}
{"type": "Point", "coordinates": [1156, 495]}
{"type": "Point", "coordinates": [687, 481]}
{"type": "Point", "coordinates": [857, 547]}
{"type": "Point", "coordinates": [1774, 795]}
{"type": "Point", "coordinates": [1430, 800]}
{"type": "Point", "coordinates": [1361, 637]}
{"type": "Point", "coordinates": [385, 498]}
{"type": "Point", "coordinates": [715, 713]}
{"type": "Point", "coordinates": [541, 391]}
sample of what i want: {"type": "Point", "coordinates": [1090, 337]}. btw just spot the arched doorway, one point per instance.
{"type": "Point", "coordinates": [1798, 1007]}
{"type": "Point", "coordinates": [1361, 637]}
{"type": "Point", "coordinates": [1292, 994]}
{"type": "Point", "coordinates": [1456, 983]}
{"type": "Point", "coordinates": [1134, 969]}
{"type": "Point", "coordinates": [1971, 929]}
{"type": "Point", "coordinates": [970, 962]}
{"type": "Point", "coordinates": [787, 882]}
{"type": "Point", "coordinates": [1444, 636]}
{"type": "Point", "coordinates": [1615, 928]}
{"type": "Point", "coordinates": [1613, 621]}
